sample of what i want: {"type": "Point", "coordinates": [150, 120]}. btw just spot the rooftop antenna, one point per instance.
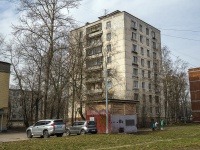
{"type": "Point", "coordinates": [105, 12]}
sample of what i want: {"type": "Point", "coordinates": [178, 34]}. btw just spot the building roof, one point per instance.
{"type": "Point", "coordinates": [112, 14]}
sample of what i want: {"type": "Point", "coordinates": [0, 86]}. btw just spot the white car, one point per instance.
{"type": "Point", "coordinates": [46, 128]}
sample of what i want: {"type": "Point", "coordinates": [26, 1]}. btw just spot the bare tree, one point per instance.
{"type": "Point", "coordinates": [175, 85]}
{"type": "Point", "coordinates": [45, 22]}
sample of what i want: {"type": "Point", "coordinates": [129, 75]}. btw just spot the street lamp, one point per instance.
{"type": "Point", "coordinates": [106, 95]}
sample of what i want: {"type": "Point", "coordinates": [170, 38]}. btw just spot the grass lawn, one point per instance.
{"type": "Point", "coordinates": [175, 137]}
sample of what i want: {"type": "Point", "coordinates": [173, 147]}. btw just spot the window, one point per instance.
{"type": "Point", "coordinates": [142, 62]}
{"type": "Point", "coordinates": [155, 66]}
{"type": "Point", "coordinates": [155, 76]}
{"type": "Point", "coordinates": [109, 72]}
{"type": "Point", "coordinates": [136, 96]}
{"type": "Point", "coordinates": [149, 74]}
{"type": "Point", "coordinates": [133, 36]}
{"type": "Point", "coordinates": [149, 86]}
{"type": "Point", "coordinates": [135, 72]}
{"type": "Point", "coordinates": [140, 28]}
{"type": "Point", "coordinates": [143, 85]}
{"type": "Point", "coordinates": [130, 122]}
{"type": "Point", "coordinates": [154, 45]}
{"type": "Point", "coordinates": [148, 53]}
{"type": "Point", "coordinates": [153, 34]}
{"type": "Point", "coordinates": [137, 108]}
{"type": "Point", "coordinates": [135, 84]}
{"type": "Point", "coordinates": [108, 37]}
{"type": "Point", "coordinates": [150, 109]}
{"type": "Point", "coordinates": [147, 42]}
{"type": "Point", "coordinates": [149, 64]}
{"type": "Point", "coordinates": [150, 98]}
{"type": "Point", "coordinates": [157, 99]}
{"type": "Point", "coordinates": [144, 98]}
{"type": "Point", "coordinates": [143, 73]}
{"type": "Point", "coordinates": [108, 25]}
{"type": "Point", "coordinates": [133, 24]}
{"type": "Point", "coordinates": [109, 59]}
{"type": "Point", "coordinates": [147, 31]}
{"type": "Point", "coordinates": [109, 48]}
{"type": "Point", "coordinates": [134, 48]}
{"type": "Point", "coordinates": [142, 51]}
{"type": "Point", "coordinates": [109, 84]}
{"type": "Point", "coordinates": [141, 38]}
{"type": "Point", "coordinates": [134, 60]}
{"type": "Point", "coordinates": [157, 110]}
{"type": "Point", "coordinates": [81, 34]}
{"type": "Point", "coordinates": [154, 55]}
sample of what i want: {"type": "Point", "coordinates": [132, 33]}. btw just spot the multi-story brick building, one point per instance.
{"type": "Point", "coordinates": [130, 50]}
{"type": "Point", "coordinates": [4, 90]}
{"type": "Point", "coordinates": [194, 78]}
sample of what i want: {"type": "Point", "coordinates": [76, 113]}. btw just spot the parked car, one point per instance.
{"type": "Point", "coordinates": [82, 127]}
{"type": "Point", "coordinates": [46, 128]}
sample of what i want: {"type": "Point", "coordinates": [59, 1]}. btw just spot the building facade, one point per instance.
{"type": "Point", "coordinates": [130, 50]}
{"type": "Point", "coordinates": [4, 90]}
{"type": "Point", "coordinates": [194, 78]}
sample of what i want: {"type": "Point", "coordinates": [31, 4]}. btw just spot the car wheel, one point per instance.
{"type": "Point", "coordinates": [67, 133]}
{"type": "Point", "coordinates": [82, 132]}
{"type": "Point", "coordinates": [46, 134]}
{"type": "Point", "coordinates": [59, 135]}
{"type": "Point", "coordinates": [29, 134]}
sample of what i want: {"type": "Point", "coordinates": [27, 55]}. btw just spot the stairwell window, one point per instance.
{"type": "Point", "coordinates": [140, 28]}
{"type": "Point", "coordinates": [150, 98]}
{"type": "Point", "coordinates": [108, 36]}
{"type": "Point", "coordinates": [148, 53]}
{"type": "Point", "coordinates": [147, 42]}
{"type": "Point", "coordinates": [149, 64]}
{"type": "Point", "coordinates": [108, 24]}
{"type": "Point", "coordinates": [147, 31]}
{"type": "Point", "coordinates": [142, 51]}
{"type": "Point", "coordinates": [153, 34]}
{"type": "Point", "coordinates": [142, 62]}
{"type": "Point", "coordinates": [141, 39]}
{"type": "Point", "coordinates": [154, 45]}
{"type": "Point", "coordinates": [149, 74]}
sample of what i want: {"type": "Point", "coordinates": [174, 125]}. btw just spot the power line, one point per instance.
{"type": "Point", "coordinates": [179, 30]}
{"type": "Point", "coordinates": [181, 37]}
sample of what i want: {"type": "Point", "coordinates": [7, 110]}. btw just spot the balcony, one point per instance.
{"type": "Point", "coordinates": [94, 91]}
{"type": "Point", "coordinates": [93, 80]}
{"type": "Point", "coordinates": [97, 67]}
{"type": "Point", "coordinates": [94, 29]}
{"type": "Point", "coordinates": [97, 33]}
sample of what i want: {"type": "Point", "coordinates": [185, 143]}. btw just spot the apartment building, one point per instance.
{"type": "Point", "coordinates": [4, 89]}
{"type": "Point", "coordinates": [130, 50]}
{"type": "Point", "coordinates": [194, 78]}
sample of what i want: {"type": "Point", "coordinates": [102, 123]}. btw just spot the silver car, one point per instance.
{"type": "Point", "coordinates": [46, 128]}
{"type": "Point", "coordinates": [82, 127]}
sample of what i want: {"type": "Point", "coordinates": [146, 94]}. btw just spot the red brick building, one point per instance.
{"type": "Point", "coordinates": [194, 78]}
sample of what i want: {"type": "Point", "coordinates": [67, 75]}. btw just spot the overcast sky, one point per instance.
{"type": "Point", "coordinates": [178, 20]}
